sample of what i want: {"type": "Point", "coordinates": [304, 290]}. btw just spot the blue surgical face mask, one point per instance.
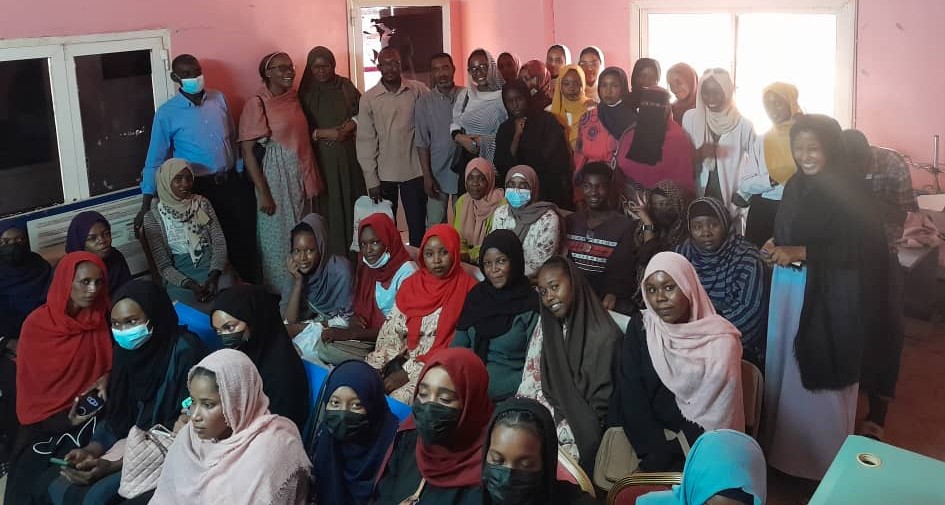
{"type": "Point", "coordinates": [518, 198]}
{"type": "Point", "coordinates": [192, 86]}
{"type": "Point", "coordinates": [380, 261]}
{"type": "Point", "coordinates": [132, 338]}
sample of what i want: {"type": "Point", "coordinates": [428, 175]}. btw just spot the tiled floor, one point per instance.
{"type": "Point", "coordinates": [916, 419]}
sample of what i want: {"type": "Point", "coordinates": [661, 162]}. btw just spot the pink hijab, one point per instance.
{"type": "Point", "coordinates": [475, 213]}
{"type": "Point", "coordinates": [263, 454]}
{"type": "Point", "coordinates": [700, 360]}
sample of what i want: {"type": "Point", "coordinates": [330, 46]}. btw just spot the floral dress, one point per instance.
{"type": "Point", "coordinates": [531, 388]}
{"type": "Point", "coordinates": [392, 342]}
{"type": "Point", "coordinates": [541, 241]}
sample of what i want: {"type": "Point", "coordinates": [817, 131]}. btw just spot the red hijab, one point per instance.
{"type": "Point", "coordinates": [422, 293]}
{"type": "Point", "coordinates": [365, 301]}
{"type": "Point", "coordinates": [458, 464]}
{"type": "Point", "coordinates": [62, 356]}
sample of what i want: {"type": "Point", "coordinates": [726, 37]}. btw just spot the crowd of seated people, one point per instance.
{"type": "Point", "coordinates": [636, 254]}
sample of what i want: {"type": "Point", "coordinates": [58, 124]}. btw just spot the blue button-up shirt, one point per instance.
{"type": "Point", "coordinates": [204, 135]}
{"type": "Point", "coordinates": [432, 116]}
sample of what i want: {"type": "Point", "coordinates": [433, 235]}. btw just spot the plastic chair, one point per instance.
{"type": "Point", "coordinates": [628, 489]}
{"type": "Point", "coordinates": [570, 471]}
{"type": "Point", "coordinates": [753, 390]}
{"type": "Point", "coordinates": [316, 380]}
{"type": "Point", "coordinates": [199, 324]}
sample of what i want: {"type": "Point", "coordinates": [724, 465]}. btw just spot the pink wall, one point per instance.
{"type": "Point", "coordinates": [899, 49]}
{"type": "Point", "coordinates": [900, 58]}
{"type": "Point", "coordinates": [228, 37]}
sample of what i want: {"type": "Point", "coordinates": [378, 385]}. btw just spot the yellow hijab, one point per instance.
{"type": "Point", "coordinates": [778, 156]}
{"type": "Point", "coordinates": [561, 106]}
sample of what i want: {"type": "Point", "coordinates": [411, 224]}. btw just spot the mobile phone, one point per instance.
{"type": "Point", "coordinates": [61, 462]}
{"type": "Point", "coordinates": [186, 404]}
{"type": "Point", "coordinates": [89, 403]}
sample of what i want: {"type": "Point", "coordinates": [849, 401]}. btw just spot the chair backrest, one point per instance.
{"type": "Point", "coordinates": [570, 471]}
{"type": "Point", "coordinates": [753, 388]}
{"type": "Point", "coordinates": [628, 489]}
{"type": "Point", "coordinates": [199, 324]}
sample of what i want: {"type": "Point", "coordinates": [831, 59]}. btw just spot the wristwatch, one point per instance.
{"type": "Point", "coordinates": [648, 227]}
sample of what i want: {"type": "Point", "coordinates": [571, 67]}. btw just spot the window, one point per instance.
{"type": "Point", "coordinates": [808, 43]}
{"type": "Point", "coordinates": [418, 28]}
{"type": "Point", "coordinates": [75, 115]}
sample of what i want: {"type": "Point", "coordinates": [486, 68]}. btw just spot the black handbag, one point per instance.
{"type": "Point", "coordinates": [461, 157]}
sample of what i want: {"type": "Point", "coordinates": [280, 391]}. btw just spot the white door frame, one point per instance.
{"type": "Point", "coordinates": [356, 62]}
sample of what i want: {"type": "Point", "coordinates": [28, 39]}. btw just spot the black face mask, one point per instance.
{"type": "Point", "coordinates": [233, 340]}
{"type": "Point", "coordinates": [435, 422]}
{"type": "Point", "coordinates": [511, 487]}
{"type": "Point", "coordinates": [14, 254]}
{"type": "Point", "coordinates": [345, 425]}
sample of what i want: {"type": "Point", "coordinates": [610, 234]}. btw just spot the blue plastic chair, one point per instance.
{"type": "Point", "coordinates": [316, 380]}
{"type": "Point", "coordinates": [199, 324]}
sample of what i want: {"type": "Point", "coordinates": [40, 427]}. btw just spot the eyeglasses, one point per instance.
{"type": "Point", "coordinates": [584, 64]}
{"type": "Point", "coordinates": [282, 68]}
{"type": "Point", "coordinates": [478, 68]}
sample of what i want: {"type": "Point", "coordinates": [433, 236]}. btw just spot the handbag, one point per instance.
{"type": "Point", "coordinates": [144, 458]}
{"type": "Point", "coordinates": [616, 458]}
{"type": "Point", "coordinates": [461, 157]}
{"type": "Point", "coordinates": [259, 148]}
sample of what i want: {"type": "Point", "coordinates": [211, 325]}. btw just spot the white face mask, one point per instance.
{"type": "Point", "coordinates": [380, 261]}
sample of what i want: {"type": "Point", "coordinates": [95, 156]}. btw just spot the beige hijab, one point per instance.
{"type": "Point", "coordinates": [721, 122]}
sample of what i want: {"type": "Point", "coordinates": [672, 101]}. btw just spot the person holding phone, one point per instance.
{"type": "Point", "coordinates": [151, 358]}
{"type": "Point", "coordinates": [67, 344]}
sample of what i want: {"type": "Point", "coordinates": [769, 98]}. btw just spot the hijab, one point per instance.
{"type": "Point", "coordinates": [492, 311]}
{"type": "Point", "coordinates": [24, 279]}
{"type": "Point", "coordinates": [137, 375]}
{"type": "Point", "coordinates": [688, 74]}
{"type": "Point", "coordinates": [567, 55]}
{"type": "Point", "coordinates": [561, 106]}
{"type": "Point", "coordinates": [576, 361]}
{"type": "Point", "coordinates": [650, 132]}
{"type": "Point", "coordinates": [636, 87]}
{"type": "Point", "coordinates": [678, 231]}
{"type": "Point", "coordinates": [526, 216]}
{"type": "Point", "coordinates": [423, 293]}
{"type": "Point", "coordinates": [312, 93]}
{"type": "Point", "coordinates": [515, 59]}
{"type": "Point", "coordinates": [328, 287]}
{"type": "Point", "coordinates": [458, 464]}
{"type": "Point", "coordinates": [524, 412]}
{"type": "Point", "coordinates": [493, 78]}
{"type": "Point", "coordinates": [621, 116]}
{"type": "Point", "coordinates": [345, 471]}
{"type": "Point", "coordinates": [66, 354]}
{"type": "Point", "coordinates": [698, 360]}
{"type": "Point", "coordinates": [365, 299]}
{"type": "Point", "coordinates": [779, 159]}
{"type": "Point", "coordinates": [474, 214]}
{"type": "Point", "coordinates": [270, 349]}
{"type": "Point", "coordinates": [596, 51]}
{"type": "Point", "coordinates": [708, 123]}
{"type": "Point", "coordinates": [79, 228]}
{"type": "Point", "coordinates": [730, 270]}
{"type": "Point", "coordinates": [720, 460]}
{"type": "Point", "coordinates": [187, 213]}
{"type": "Point", "coordinates": [540, 97]}
{"type": "Point", "coordinates": [250, 466]}
{"type": "Point", "coordinates": [832, 213]}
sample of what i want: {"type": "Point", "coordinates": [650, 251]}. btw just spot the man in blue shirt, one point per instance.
{"type": "Point", "coordinates": [196, 125]}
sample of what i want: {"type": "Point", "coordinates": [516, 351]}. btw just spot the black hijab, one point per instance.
{"type": "Point", "coordinates": [620, 117]}
{"type": "Point", "coordinates": [24, 279]}
{"type": "Point", "coordinates": [492, 311]}
{"type": "Point", "coordinates": [137, 375]}
{"type": "Point", "coordinates": [636, 87]}
{"type": "Point", "coordinates": [845, 298]}
{"type": "Point", "coordinates": [650, 132]}
{"type": "Point", "coordinates": [530, 415]}
{"type": "Point", "coordinates": [576, 368]}
{"type": "Point", "coordinates": [270, 349]}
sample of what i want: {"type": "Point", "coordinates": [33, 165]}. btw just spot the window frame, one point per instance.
{"type": "Point", "coordinates": [60, 53]}
{"type": "Point", "coordinates": [845, 10]}
{"type": "Point", "coordinates": [355, 49]}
